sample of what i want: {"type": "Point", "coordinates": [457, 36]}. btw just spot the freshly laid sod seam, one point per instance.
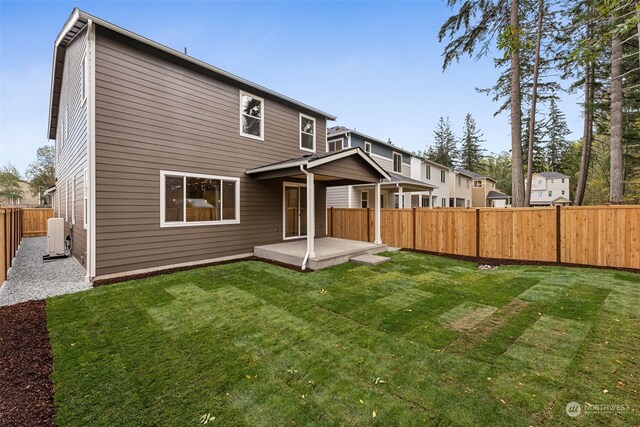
{"type": "Point", "coordinates": [254, 344]}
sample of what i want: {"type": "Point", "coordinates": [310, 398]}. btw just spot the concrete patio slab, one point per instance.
{"type": "Point", "coordinates": [31, 278]}
{"type": "Point", "coordinates": [329, 251]}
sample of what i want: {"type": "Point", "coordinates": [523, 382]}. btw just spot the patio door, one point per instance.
{"type": "Point", "coordinates": [295, 210]}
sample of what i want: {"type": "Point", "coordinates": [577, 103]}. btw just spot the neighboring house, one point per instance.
{"type": "Point", "coordinates": [397, 192]}
{"type": "Point", "coordinates": [460, 192]}
{"type": "Point", "coordinates": [434, 174]}
{"type": "Point", "coordinates": [484, 192]}
{"type": "Point", "coordinates": [550, 188]}
{"type": "Point", "coordinates": [28, 200]}
{"type": "Point", "coordinates": [163, 160]}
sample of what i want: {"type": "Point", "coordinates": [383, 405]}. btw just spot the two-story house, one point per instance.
{"type": "Point", "coordinates": [550, 188]}
{"type": "Point", "coordinates": [484, 192]}
{"type": "Point", "coordinates": [460, 192]}
{"type": "Point", "coordinates": [164, 161]}
{"type": "Point", "coordinates": [434, 174]}
{"type": "Point", "coordinates": [396, 192]}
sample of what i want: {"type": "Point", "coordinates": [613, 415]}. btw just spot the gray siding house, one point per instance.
{"type": "Point", "coordinates": [399, 191]}
{"type": "Point", "coordinates": [164, 160]}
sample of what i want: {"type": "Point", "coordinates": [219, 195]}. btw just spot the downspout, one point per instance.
{"type": "Point", "coordinates": [308, 252]}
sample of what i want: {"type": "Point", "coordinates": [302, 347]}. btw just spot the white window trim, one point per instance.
{"type": "Point", "coordinates": [241, 113]}
{"type": "Point", "coordinates": [73, 202]}
{"type": "Point", "coordinates": [85, 203]}
{"type": "Point", "coordinates": [364, 193]}
{"type": "Point", "coordinates": [184, 223]}
{"type": "Point", "coordinates": [393, 166]}
{"type": "Point", "coordinates": [66, 201]}
{"type": "Point", "coordinates": [427, 172]}
{"type": "Point", "coordinates": [85, 78]}
{"type": "Point", "coordinates": [367, 144]}
{"type": "Point", "coordinates": [300, 132]}
{"type": "Point", "coordinates": [334, 141]}
{"type": "Point", "coordinates": [443, 177]}
{"type": "Point", "coordinates": [298, 185]}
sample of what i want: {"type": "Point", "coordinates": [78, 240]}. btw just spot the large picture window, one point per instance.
{"type": "Point", "coordinates": [251, 116]}
{"type": "Point", "coordinates": [307, 133]}
{"type": "Point", "coordinates": [194, 199]}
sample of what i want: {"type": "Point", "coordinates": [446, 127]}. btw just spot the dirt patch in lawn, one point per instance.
{"type": "Point", "coordinates": [482, 330]}
{"type": "Point", "coordinates": [26, 391]}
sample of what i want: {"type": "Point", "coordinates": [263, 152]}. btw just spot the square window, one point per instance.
{"type": "Point", "coordinates": [335, 145]}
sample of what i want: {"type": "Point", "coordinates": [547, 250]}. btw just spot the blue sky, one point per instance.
{"type": "Point", "coordinates": [375, 65]}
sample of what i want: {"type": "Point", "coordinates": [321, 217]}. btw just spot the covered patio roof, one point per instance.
{"type": "Point", "coordinates": [407, 184]}
{"type": "Point", "coordinates": [347, 167]}
{"type": "Point", "coordinates": [497, 195]}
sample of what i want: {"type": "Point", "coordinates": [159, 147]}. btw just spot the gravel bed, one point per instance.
{"type": "Point", "coordinates": [31, 278]}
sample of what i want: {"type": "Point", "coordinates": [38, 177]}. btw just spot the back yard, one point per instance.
{"type": "Point", "coordinates": [417, 340]}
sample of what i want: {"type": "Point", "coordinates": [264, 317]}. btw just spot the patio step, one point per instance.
{"type": "Point", "coordinates": [369, 259]}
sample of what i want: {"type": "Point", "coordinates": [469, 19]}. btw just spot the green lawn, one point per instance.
{"type": "Point", "coordinates": [418, 340]}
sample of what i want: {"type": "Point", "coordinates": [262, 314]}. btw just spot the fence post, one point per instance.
{"type": "Point", "coordinates": [477, 232]}
{"type": "Point", "coordinates": [414, 228]}
{"type": "Point", "coordinates": [3, 246]}
{"type": "Point", "coordinates": [558, 235]}
{"type": "Point", "coordinates": [331, 222]}
{"type": "Point", "coordinates": [368, 225]}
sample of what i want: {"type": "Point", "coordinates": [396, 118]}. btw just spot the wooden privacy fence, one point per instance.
{"type": "Point", "coordinates": [607, 236]}
{"type": "Point", "coordinates": [10, 236]}
{"type": "Point", "coordinates": [16, 223]}
{"type": "Point", "coordinates": [34, 221]}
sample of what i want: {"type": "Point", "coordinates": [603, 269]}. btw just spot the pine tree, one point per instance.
{"type": "Point", "coordinates": [554, 138]}
{"type": "Point", "coordinates": [471, 153]}
{"type": "Point", "coordinates": [444, 149]}
{"type": "Point", "coordinates": [538, 150]}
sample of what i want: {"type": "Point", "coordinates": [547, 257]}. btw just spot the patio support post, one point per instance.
{"type": "Point", "coordinates": [376, 217]}
{"type": "Point", "coordinates": [430, 200]}
{"type": "Point", "coordinates": [400, 198]}
{"type": "Point", "coordinates": [311, 216]}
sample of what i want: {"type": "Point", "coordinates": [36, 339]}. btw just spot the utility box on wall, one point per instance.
{"type": "Point", "coordinates": [55, 236]}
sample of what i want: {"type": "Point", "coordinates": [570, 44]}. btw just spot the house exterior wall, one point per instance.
{"type": "Point", "coordinates": [459, 192]}
{"type": "Point", "coordinates": [545, 190]}
{"type": "Point", "coordinates": [71, 148]}
{"type": "Point", "coordinates": [153, 115]}
{"type": "Point", "coordinates": [479, 194]}
{"type": "Point", "coordinates": [440, 193]}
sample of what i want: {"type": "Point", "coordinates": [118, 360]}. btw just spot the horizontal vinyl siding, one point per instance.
{"type": "Point", "coordinates": [72, 156]}
{"type": "Point", "coordinates": [338, 197]}
{"type": "Point", "coordinates": [152, 115]}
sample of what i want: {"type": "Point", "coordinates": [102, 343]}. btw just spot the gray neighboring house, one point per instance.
{"type": "Point", "coordinates": [400, 191]}
{"type": "Point", "coordinates": [163, 160]}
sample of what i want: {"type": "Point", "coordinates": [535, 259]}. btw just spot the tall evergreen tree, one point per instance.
{"type": "Point", "coordinates": [471, 152]}
{"type": "Point", "coordinates": [554, 138]}
{"type": "Point", "coordinates": [444, 149]}
{"type": "Point", "coordinates": [537, 159]}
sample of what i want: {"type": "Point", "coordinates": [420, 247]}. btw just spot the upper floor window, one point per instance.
{"type": "Point", "coordinates": [459, 181]}
{"type": "Point", "coordinates": [443, 176]}
{"type": "Point", "coordinates": [335, 145]}
{"type": "Point", "coordinates": [427, 171]}
{"type": "Point", "coordinates": [563, 180]}
{"type": "Point", "coordinates": [367, 147]}
{"type": "Point", "coordinates": [563, 192]}
{"type": "Point", "coordinates": [552, 181]}
{"type": "Point", "coordinates": [194, 199]}
{"type": "Point", "coordinates": [307, 133]}
{"type": "Point", "coordinates": [477, 183]}
{"type": "Point", "coordinates": [397, 162]}
{"type": "Point", "coordinates": [550, 193]}
{"type": "Point", "coordinates": [539, 193]}
{"type": "Point", "coordinates": [539, 182]}
{"type": "Point", "coordinates": [467, 181]}
{"type": "Point", "coordinates": [251, 116]}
